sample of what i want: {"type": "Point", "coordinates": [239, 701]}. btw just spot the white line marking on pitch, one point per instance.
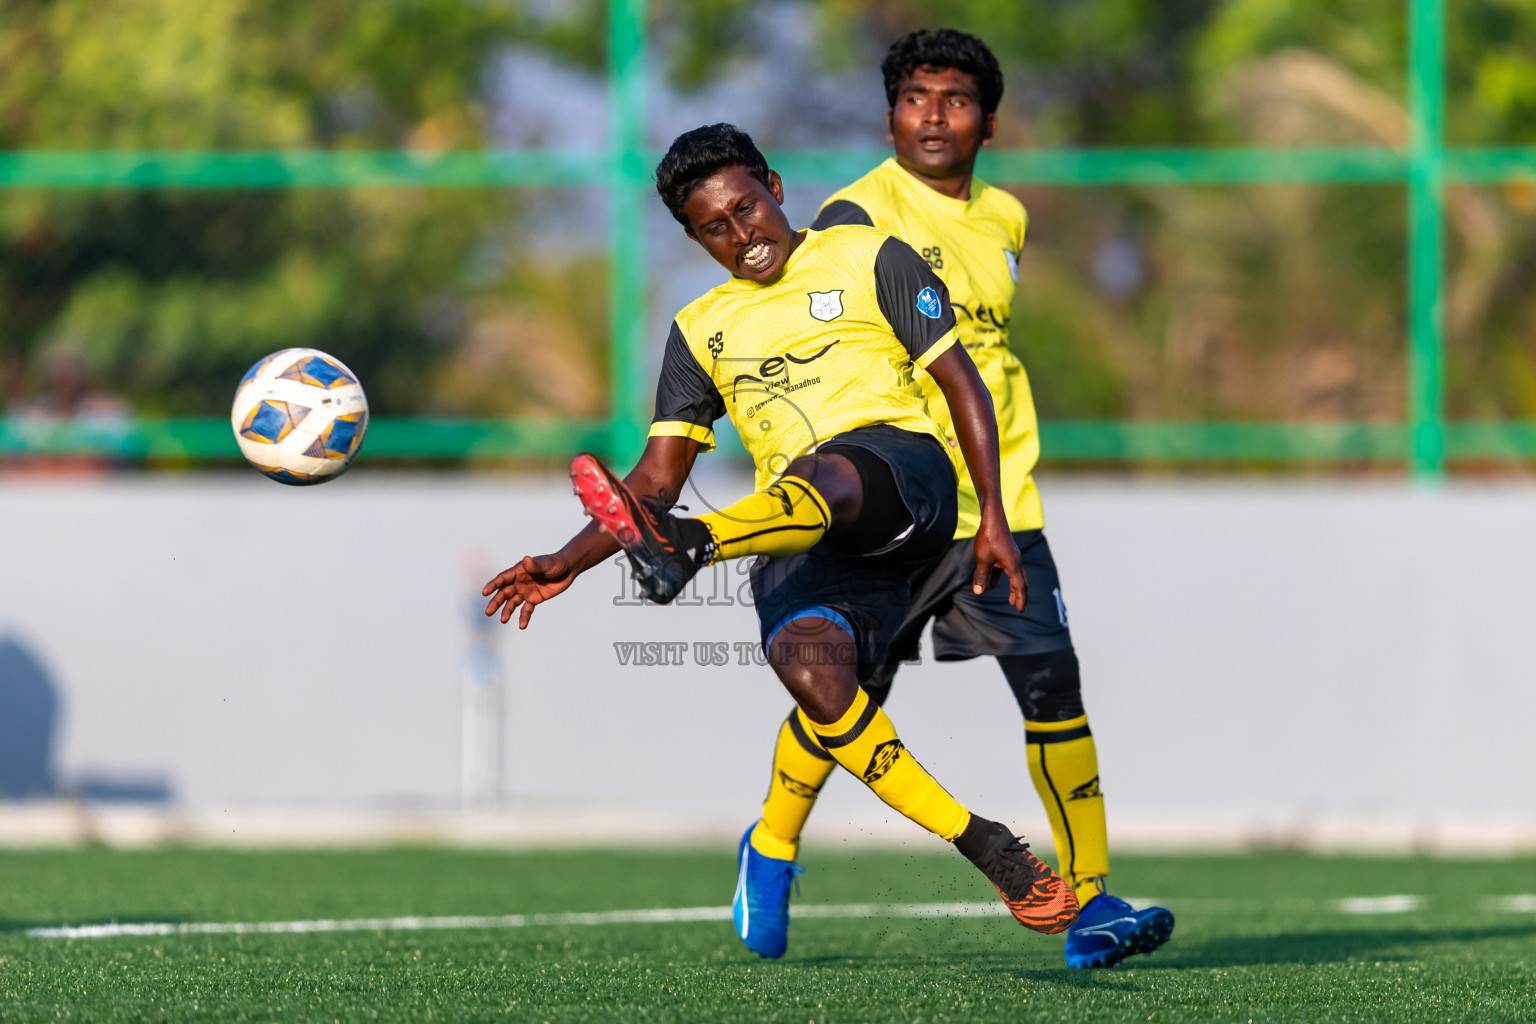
{"type": "Point", "coordinates": [1399, 904]}
{"type": "Point", "coordinates": [1362, 905]}
{"type": "Point", "coordinates": [677, 915]}
{"type": "Point", "coordinates": [1523, 903]}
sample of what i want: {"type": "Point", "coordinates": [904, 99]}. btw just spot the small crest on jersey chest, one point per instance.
{"type": "Point", "coordinates": [827, 305]}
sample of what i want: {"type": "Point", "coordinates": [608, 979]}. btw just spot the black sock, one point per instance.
{"type": "Point", "coordinates": [973, 841]}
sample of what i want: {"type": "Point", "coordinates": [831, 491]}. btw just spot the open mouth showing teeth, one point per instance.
{"type": "Point", "coordinates": [757, 256]}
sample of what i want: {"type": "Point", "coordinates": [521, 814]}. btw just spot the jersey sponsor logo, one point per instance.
{"type": "Point", "coordinates": [775, 369]}
{"type": "Point", "coordinates": [882, 759]}
{"type": "Point", "coordinates": [928, 303]}
{"type": "Point", "coordinates": [1086, 791]}
{"type": "Point", "coordinates": [982, 314]}
{"type": "Point", "coordinates": [1013, 264]}
{"type": "Point", "coordinates": [827, 305]}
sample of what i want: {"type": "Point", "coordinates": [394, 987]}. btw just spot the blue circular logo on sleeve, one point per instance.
{"type": "Point", "coordinates": [928, 303]}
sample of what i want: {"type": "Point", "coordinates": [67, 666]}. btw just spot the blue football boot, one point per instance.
{"type": "Point", "coordinates": [1109, 929]}
{"type": "Point", "coordinates": [761, 907]}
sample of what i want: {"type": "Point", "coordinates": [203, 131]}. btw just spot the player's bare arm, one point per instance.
{"type": "Point", "coordinates": [976, 429]}
{"type": "Point", "coordinates": [660, 473]}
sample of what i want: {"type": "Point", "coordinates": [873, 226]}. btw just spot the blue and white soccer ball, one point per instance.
{"type": "Point", "coordinates": [300, 416]}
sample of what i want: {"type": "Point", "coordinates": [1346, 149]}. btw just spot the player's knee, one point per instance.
{"type": "Point", "coordinates": [835, 479]}
{"type": "Point", "coordinates": [1047, 686]}
{"type": "Point", "coordinates": [825, 697]}
{"type": "Point", "coordinates": [818, 672]}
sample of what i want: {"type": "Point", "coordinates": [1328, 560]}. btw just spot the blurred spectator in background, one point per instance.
{"type": "Point", "coordinates": [67, 429]}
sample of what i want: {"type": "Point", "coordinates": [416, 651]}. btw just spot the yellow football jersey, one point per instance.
{"type": "Point", "coordinates": [974, 246]}
{"type": "Point", "coordinates": [829, 347]}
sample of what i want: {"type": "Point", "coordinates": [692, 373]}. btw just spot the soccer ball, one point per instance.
{"type": "Point", "coordinates": [300, 416]}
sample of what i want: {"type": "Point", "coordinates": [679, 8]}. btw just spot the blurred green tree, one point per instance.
{"type": "Point", "coordinates": [1257, 302]}
{"type": "Point", "coordinates": [171, 294]}
{"type": "Point", "coordinates": [1232, 302]}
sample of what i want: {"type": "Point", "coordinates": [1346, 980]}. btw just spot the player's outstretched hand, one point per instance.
{"type": "Point", "coordinates": [534, 580]}
{"type": "Point", "coordinates": [996, 552]}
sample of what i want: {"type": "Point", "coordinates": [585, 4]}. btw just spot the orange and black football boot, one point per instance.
{"type": "Point", "coordinates": [665, 551]}
{"type": "Point", "coordinates": [1038, 897]}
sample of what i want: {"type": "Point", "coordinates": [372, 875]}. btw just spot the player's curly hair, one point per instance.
{"type": "Point", "coordinates": [697, 154]}
{"type": "Point", "coordinates": [944, 48]}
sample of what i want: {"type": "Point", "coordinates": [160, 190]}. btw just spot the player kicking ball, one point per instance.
{"type": "Point", "coordinates": [810, 349]}
{"type": "Point", "coordinates": [943, 90]}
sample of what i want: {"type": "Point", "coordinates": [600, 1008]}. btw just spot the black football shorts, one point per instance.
{"type": "Point", "coordinates": [968, 625]}
{"type": "Point", "coordinates": [867, 594]}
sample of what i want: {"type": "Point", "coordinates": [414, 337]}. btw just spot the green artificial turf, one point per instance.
{"type": "Point", "coordinates": [1259, 938]}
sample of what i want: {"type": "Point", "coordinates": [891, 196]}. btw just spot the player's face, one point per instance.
{"type": "Point", "coordinates": [938, 125]}
{"type": "Point", "coordinates": [741, 223]}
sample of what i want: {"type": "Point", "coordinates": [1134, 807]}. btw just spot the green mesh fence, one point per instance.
{"type": "Point", "coordinates": [1424, 442]}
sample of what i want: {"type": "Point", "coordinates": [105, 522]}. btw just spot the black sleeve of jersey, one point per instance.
{"type": "Point", "coordinates": [908, 291]}
{"type": "Point", "coordinates": [685, 394]}
{"type": "Point", "coordinates": [840, 211]}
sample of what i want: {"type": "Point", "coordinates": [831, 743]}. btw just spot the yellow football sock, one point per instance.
{"type": "Point", "coordinates": [1065, 768]}
{"type": "Point", "coordinates": [864, 742]}
{"type": "Point", "coordinates": [787, 517]}
{"type": "Point", "coordinates": [800, 769]}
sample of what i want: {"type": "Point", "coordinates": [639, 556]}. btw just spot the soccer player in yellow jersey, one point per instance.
{"type": "Point", "coordinates": [810, 348]}
{"type": "Point", "coordinates": [943, 88]}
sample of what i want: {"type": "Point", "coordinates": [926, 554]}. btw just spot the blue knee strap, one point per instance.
{"type": "Point", "coordinates": [819, 611]}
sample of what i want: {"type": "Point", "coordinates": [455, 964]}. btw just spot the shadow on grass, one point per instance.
{"type": "Point", "coordinates": [1309, 948]}
{"type": "Point", "coordinates": [1007, 960]}
{"type": "Point", "coordinates": [1299, 948]}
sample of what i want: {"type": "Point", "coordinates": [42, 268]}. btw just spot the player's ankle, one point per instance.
{"type": "Point", "coordinates": [1087, 889]}
{"type": "Point", "coordinates": [769, 845]}
{"type": "Point", "coordinates": [698, 539]}
{"type": "Point", "coordinates": [972, 840]}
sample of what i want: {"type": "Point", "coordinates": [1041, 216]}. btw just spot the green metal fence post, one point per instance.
{"type": "Point", "coordinates": [1426, 232]}
{"type": "Point", "coordinates": [623, 169]}
{"type": "Point", "coordinates": [626, 197]}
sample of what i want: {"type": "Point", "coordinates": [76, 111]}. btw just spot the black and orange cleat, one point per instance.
{"type": "Point", "coordinates": [665, 551]}
{"type": "Point", "coordinates": [1038, 897]}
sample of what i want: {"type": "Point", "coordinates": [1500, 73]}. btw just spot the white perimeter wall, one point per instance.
{"type": "Point", "coordinates": [1280, 661]}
